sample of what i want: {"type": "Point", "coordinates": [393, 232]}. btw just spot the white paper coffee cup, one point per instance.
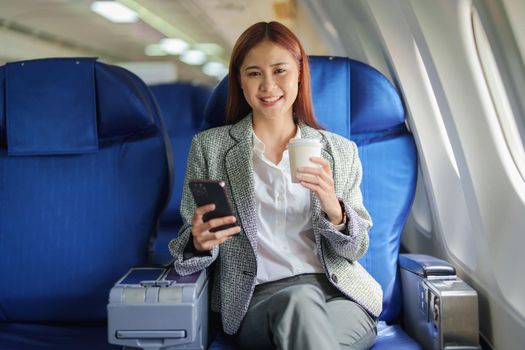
{"type": "Point", "coordinates": [300, 151]}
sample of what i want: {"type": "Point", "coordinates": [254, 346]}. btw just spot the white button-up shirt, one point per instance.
{"type": "Point", "coordinates": [286, 244]}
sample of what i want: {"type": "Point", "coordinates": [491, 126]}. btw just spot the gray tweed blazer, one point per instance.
{"type": "Point", "coordinates": [225, 153]}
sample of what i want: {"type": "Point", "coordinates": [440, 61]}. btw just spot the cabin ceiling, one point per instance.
{"type": "Point", "coordinates": [60, 28]}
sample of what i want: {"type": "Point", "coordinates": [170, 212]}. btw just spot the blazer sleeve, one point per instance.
{"type": "Point", "coordinates": [186, 260]}
{"type": "Point", "coordinates": [352, 243]}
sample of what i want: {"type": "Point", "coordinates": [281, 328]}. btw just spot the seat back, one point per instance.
{"type": "Point", "coordinates": [356, 101]}
{"type": "Point", "coordinates": [389, 157]}
{"type": "Point", "coordinates": [83, 177]}
{"type": "Point", "coordinates": [182, 107]}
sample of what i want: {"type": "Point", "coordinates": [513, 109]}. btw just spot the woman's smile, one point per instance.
{"type": "Point", "coordinates": [270, 101]}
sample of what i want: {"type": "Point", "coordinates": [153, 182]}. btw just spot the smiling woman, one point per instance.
{"type": "Point", "coordinates": [294, 55]}
{"type": "Point", "coordinates": [282, 223]}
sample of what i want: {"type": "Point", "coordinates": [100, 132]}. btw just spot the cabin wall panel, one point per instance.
{"type": "Point", "coordinates": [474, 203]}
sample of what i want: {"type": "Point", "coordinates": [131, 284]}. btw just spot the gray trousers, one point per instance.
{"type": "Point", "coordinates": [305, 312]}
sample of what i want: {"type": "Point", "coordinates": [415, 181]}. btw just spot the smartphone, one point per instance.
{"type": "Point", "coordinates": [212, 191]}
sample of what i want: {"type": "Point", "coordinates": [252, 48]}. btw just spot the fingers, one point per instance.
{"type": "Point", "coordinates": [315, 188]}
{"type": "Point", "coordinates": [200, 227]}
{"type": "Point", "coordinates": [323, 171]}
{"type": "Point", "coordinates": [322, 162]}
{"type": "Point", "coordinates": [203, 239]}
{"type": "Point", "coordinates": [319, 180]}
{"type": "Point", "coordinates": [207, 240]}
{"type": "Point", "coordinates": [199, 213]}
{"type": "Point", "coordinates": [210, 224]}
{"type": "Point", "coordinates": [321, 177]}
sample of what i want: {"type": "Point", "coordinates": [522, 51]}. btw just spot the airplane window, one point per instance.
{"type": "Point", "coordinates": [500, 99]}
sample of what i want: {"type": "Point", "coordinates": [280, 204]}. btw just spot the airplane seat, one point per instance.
{"type": "Point", "coordinates": [439, 310]}
{"type": "Point", "coordinates": [84, 175]}
{"type": "Point", "coordinates": [356, 101]}
{"type": "Point", "coordinates": [182, 107]}
{"type": "Point", "coordinates": [389, 158]}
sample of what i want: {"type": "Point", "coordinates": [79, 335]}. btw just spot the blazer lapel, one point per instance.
{"type": "Point", "coordinates": [239, 169]}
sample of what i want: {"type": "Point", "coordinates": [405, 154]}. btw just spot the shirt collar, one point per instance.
{"type": "Point", "coordinates": [258, 145]}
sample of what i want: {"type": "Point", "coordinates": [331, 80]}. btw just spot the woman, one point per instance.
{"type": "Point", "coordinates": [290, 279]}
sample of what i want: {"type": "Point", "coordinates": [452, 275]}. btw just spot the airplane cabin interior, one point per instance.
{"type": "Point", "coordinates": [97, 115]}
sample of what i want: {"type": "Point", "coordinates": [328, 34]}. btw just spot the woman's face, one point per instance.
{"type": "Point", "coordinates": [269, 79]}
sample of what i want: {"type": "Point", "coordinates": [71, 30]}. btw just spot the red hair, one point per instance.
{"type": "Point", "coordinates": [237, 107]}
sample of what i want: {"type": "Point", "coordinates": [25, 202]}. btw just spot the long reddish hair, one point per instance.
{"type": "Point", "coordinates": [237, 107]}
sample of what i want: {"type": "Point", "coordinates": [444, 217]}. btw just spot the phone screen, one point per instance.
{"type": "Point", "coordinates": [212, 191]}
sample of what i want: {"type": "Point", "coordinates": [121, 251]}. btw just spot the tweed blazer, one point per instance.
{"type": "Point", "coordinates": [225, 153]}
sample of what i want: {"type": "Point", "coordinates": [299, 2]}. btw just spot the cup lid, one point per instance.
{"type": "Point", "coordinates": [303, 142]}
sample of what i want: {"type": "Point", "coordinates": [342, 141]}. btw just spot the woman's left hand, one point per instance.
{"type": "Point", "coordinates": [320, 180]}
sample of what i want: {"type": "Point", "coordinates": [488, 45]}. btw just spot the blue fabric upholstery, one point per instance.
{"type": "Point", "coordinates": [34, 91]}
{"type": "Point", "coordinates": [182, 107]}
{"type": "Point", "coordinates": [73, 220]}
{"type": "Point", "coordinates": [22, 336]}
{"type": "Point", "coordinates": [393, 337]}
{"type": "Point", "coordinates": [389, 177]}
{"type": "Point", "coordinates": [215, 109]}
{"type": "Point", "coordinates": [358, 102]}
{"type": "Point", "coordinates": [73, 117]}
{"type": "Point", "coordinates": [375, 103]}
{"type": "Point", "coordinates": [388, 337]}
{"type": "Point", "coordinates": [330, 91]}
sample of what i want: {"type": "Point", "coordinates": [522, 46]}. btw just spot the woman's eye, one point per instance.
{"type": "Point", "coordinates": [280, 71]}
{"type": "Point", "coordinates": [253, 74]}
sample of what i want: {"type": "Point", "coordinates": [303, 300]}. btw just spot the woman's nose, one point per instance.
{"type": "Point", "coordinates": [267, 83]}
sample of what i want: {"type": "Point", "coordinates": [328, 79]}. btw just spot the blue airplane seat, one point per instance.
{"type": "Point", "coordinates": [356, 101]}
{"type": "Point", "coordinates": [182, 106]}
{"type": "Point", "coordinates": [84, 175]}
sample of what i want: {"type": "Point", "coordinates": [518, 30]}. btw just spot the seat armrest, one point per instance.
{"type": "Point", "coordinates": [425, 265]}
{"type": "Point", "coordinates": [155, 308]}
{"type": "Point", "coordinates": [440, 310]}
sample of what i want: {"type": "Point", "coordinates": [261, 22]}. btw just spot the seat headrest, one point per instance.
{"type": "Point", "coordinates": [330, 77]}
{"type": "Point", "coordinates": [70, 105]}
{"type": "Point", "coordinates": [340, 87]}
{"type": "Point", "coordinates": [181, 105]}
{"type": "Point", "coordinates": [215, 110]}
{"type": "Point", "coordinates": [376, 105]}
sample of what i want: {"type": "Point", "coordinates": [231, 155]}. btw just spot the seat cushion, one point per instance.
{"type": "Point", "coordinates": [388, 337]}
{"type": "Point", "coordinates": [392, 338]}
{"type": "Point", "coordinates": [32, 336]}
{"type": "Point", "coordinates": [223, 341]}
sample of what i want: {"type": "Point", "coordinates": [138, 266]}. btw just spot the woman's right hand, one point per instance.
{"type": "Point", "coordinates": [203, 239]}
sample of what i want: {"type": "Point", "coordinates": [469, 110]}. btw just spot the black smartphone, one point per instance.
{"type": "Point", "coordinates": [212, 191]}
